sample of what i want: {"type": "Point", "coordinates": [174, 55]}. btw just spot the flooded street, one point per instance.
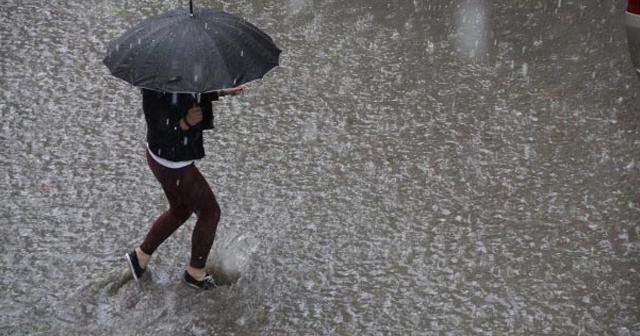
{"type": "Point", "coordinates": [412, 168]}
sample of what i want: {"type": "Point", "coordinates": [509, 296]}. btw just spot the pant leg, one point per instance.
{"type": "Point", "coordinates": [177, 213]}
{"type": "Point", "coordinates": [201, 201]}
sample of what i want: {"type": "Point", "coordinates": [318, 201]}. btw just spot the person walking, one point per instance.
{"type": "Point", "coordinates": [174, 142]}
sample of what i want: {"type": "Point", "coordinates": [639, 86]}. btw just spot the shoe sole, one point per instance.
{"type": "Point", "coordinates": [131, 268]}
{"type": "Point", "coordinates": [189, 283]}
{"type": "Point", "coordinates": [200, 288]}
{"type": "Point", "coordinates": [192, 285]}
{"type": "Point", "coordinates": [184, 279]}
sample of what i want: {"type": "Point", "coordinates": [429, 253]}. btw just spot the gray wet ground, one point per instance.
{"type": "Point", "coordinates": [412, 168]}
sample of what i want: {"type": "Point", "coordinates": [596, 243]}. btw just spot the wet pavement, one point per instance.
{"type": "Point", "coordinates": [412, 168]}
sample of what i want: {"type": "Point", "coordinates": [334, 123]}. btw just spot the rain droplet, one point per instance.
{"type": "Point", "coordinates": [430, 47]}
{"type": "Point", "coordinates": [139, 41]}
{"type": "Point", "coordinates": [186, 141]}
{"type": "Point", "coordinates": [177, 182]}
{"type": "Point", "coordinates": [206, 26]}
{"type": "Point", "coordinates": [117, 47]}
{"type": "Point", "coordinates": [167, 121]}
{"type": "Point", "coordinates": [242, 53]}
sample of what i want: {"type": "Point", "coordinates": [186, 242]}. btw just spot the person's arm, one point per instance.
{"type": "Point", "coordinates": [238, 90]}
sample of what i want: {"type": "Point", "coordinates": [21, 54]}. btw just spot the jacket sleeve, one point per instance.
{"type": "Point", "coordinates": [206, 103]}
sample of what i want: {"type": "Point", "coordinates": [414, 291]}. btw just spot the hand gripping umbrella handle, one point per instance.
{"type": "Point", "coordinates": [197, 97]}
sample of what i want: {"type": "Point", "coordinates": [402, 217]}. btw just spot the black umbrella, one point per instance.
{"type": "Point", "coordinates": [193, 51]}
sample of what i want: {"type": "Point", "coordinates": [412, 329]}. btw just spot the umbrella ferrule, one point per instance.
{"type": "Point", "coordinates": [191, 8]}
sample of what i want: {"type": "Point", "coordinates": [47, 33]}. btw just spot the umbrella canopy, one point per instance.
{"type": "Point", "coordinates": [192, 51]}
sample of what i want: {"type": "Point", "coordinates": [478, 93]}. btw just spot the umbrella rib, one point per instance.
{"type": "Point", "coordinates": [255, 40]}
{"type": "Point", "coordinates": [217, 49]}
{"type": "Point", "coordinates": [230, 22]}
{"type": "Point", "coordinates": [250, 32]}
{"type": "Point", "coordinates": [155, 43]}
{"type": "Point", "coordinates": [199, 50]}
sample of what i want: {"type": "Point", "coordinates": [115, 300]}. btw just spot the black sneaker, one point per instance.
{"type": "Point", "coordinates": [134, 265]}
{"type": "Point", "coordinates": [205, 284]}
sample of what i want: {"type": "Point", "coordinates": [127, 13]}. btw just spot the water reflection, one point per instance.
{"type": "Point", "coordinates": [472, 28]}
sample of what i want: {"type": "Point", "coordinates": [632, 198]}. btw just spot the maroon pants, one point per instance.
{"type": "Point", "coordinates": [187, 192]}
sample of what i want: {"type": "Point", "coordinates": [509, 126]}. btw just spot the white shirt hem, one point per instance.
{"type": "Point", "coordinates": [167, 163]}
